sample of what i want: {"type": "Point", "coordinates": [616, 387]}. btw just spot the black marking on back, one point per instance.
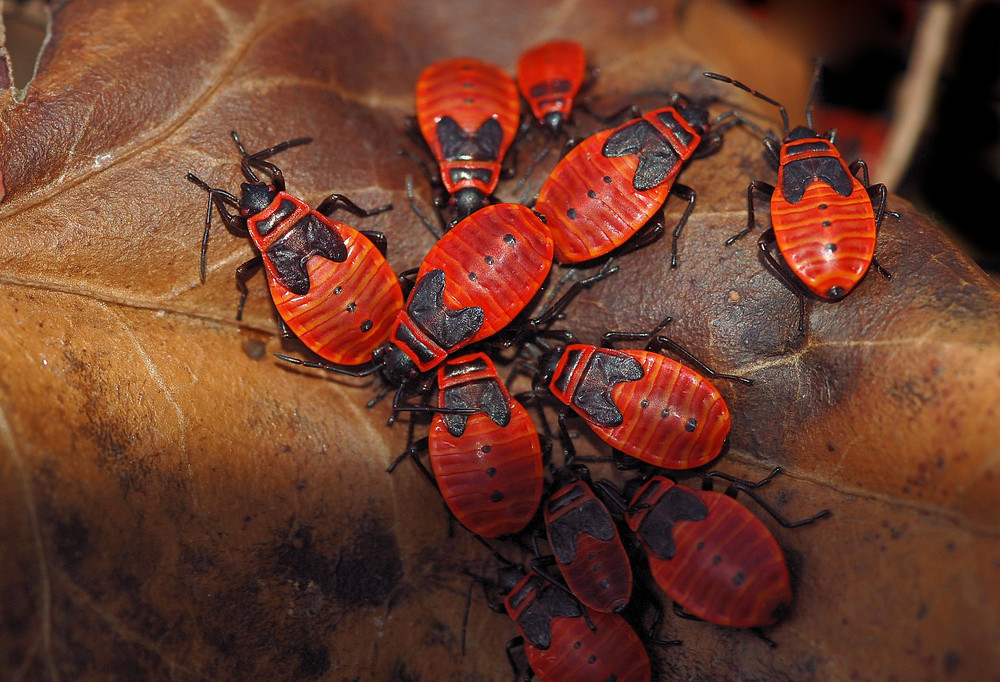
{"type": "Point", "coordinates": [420, 350]}
{"type": "Point", "coordinates": [799, 174]}
{"type": "Point", "coordinates": [656, 529]}
{"type": "Point", "coordinates": [572, 360]}
{"type": "Point", "coordinates": [482, 394]}
{"type": "Point", "coordinates": [481, 174]}
{"type": "Point", "coordinates": [549, 602]}
{"type": "Point", "coordinates": [590, 517]}
{"type": "Point", "coordinates": [447, 327]}
{"type": "Point", "coordinates": [812, 146]}
{"type": "Point", "coordinates": [668, 119]}
{"type": "Point", "coordinates": [458, 145]}
{"type": "Point", "coordinates": [593, 394]}
{"type": "Point", "coordinates": [308, 237]}
{"type": "Point", "coordinates": [656, 155]}
{"type": "Point", "coordinates": [457, 369]}
{"type": "Point", "coordinates": [285, 209]}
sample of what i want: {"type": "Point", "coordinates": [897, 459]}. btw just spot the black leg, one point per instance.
{"type": "Point", "coordinates": [243, 273]}
{"type": "Point", "coordinates": [338, 201]}
{"type": "Point", "coordinates": [778, 269]}
{"type": "Point", "coordinates": [755, 186]}
{"type": "Point", "coordinates": [684, 192]}
{"type": "Point", "coordinates": [377, 239]}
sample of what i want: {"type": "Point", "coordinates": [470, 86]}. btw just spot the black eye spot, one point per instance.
{"type": "Point", "coordinates": [571, 213]}
{"type": "Point", "coordinates": [491, 472]}
{"type": "Point", "coordinates": [831, 247]}
{"type": "Point", "coordinates": [827, 223]}
{"type": "Point", "coordinates": [691, 425]}
{"type": "Point", "coordinates": [509, 238]}
{"type": "Point", "coordinates": [700, 545]}
{"type": "Point", "coordinates": [352, 306]}
{"type": "Point", "coordinates": [487, 448]}
{"type": "Point", "coordinates": [644, 404]}
{"type": "Point", "coordinates": [738, 579]}
{"type": "Point", "coordinates": [497, 496]}
{"type": "Point", "coordinates": [822, 207]}
{"type": "Point", "coordinates": [665, 413]}
{"type": "Point", "coordinates": [591, 193]}
{"type": "Point", "coordinates": [607, 179]}
{"type": "Point", "coordinates": [338, 291]}
{"type": "Point", "coordinates": [716, 560]}
{"type": "Point", "coordinates": [367, 325]}
{"type": "Point", "coordinates": [488, 260]}
{"type": "Point", "coordinates": [473, 276]}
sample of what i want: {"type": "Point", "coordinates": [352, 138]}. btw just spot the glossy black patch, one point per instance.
{"type": "Point", "coordinates": [656, 529]}
{"type": "Point", "coordinates": [656, 155]}
{"type": "Point", "coordinates": [459, 174]}
{"type": "Point", "coordinates": [590, 517]}
{"type": "Point", "coordinates": [447, 327]}
{"type": "Point", "coordinates": [561, 381]}
{"type": "Point", "coordinates": [593, 394]}
{"type": "Point", "coordinates": [267, 225]}
{"type": "Point", "coordinates": [549, 602]}
{"type": "Point", "coordinates": [457, 369]}
{"type": "Point", "coordinates": [798, 175]}
{"type": "Point", "coordinates": [683, 135]}
{"type": "Point", "coordinates": [484, 394]}
{"type": "Point", "coordinates": [308, 237]}
{"type": "Point", "coordinates": [804, 147]}
{"type": "Point", "coordinates": [572, 494]}
{"type": "Point", "coordinates": [418, 348]}
{"type": "Point", "coordinates": [458, 145]}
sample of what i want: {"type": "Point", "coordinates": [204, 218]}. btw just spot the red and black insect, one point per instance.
{"type": "Point", "coordinates": [823, 219]}
{"type": "Point", "coordinates": [585, 543]}
{"type": "Point", "coordinates": [709, 553]}
{"type": "Point", "coordinates": [331, 284]}
{"type": "Point", "coordinates": [613, 183]}
{"type": "Point", "coordinates": [639, 401]}
{"type": "Point", "coordinates": [563, 640]}
{"type": "Point", "coordinates": [487, 465]}
{"type": "Point", "coordinates": [473, 282]}
{"type": "Point", "coordinates": [550, 77]}
{"type": "Point", "coordinates": [468, 112]}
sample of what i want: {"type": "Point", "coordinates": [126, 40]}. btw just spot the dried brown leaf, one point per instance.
{"type": "Point", "coordinates": [177, 505]}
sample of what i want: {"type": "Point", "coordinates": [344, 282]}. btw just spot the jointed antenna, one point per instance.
{"type": "Point", "coordinates": [758, 95]}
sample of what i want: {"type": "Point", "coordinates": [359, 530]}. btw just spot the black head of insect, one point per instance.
{"type": "Point", "coordinates": [467, 201]}
{"type": "Point", "coordinates": [547, 364]}
{"type": "Point", "coordinates": [397, 367]}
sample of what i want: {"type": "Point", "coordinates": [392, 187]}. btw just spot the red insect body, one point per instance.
{"type": "Point", "coordinates": [611, 184]}
{"type": "Point", "coordinates": [468, 112]}
{"type": "Point", "coordinates": [710, 554]}
{"type": "Point", "coordinates": [349, 306]}
{"type": "Point", "coordinates": [587, 548]}
{"type": "Point", "coordinates": [473, 282]}
{"type": "Point", "coordinates": [561, 646]}
{"type": "Point", "coordinates": [549, 77]}
{"type": "Point", "coordinates": [488, 465]}
{"type": "Point", "coordinates": [644, 404]}
{"type": "Point", "coordinates": [826, 238]}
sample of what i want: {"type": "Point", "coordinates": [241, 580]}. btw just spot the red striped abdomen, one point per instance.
{"type": "Point", "coordinates": [550, 75]}
{"type": "Point", "coordinates": [727, 569]}
{"type": "Point", "coordinates": [496, 259]}
{"type": "Point", "coordinates": [828, 240]}
{"type": "Point", "coordinates": [590, 204]}
{"type": "Point", "coordinates": [468, 91]}
{"type": "Point", "coordinates": [350, 307]}
{"type": "Point", "coordinates": [490, 477]}
{"type": "Point", "coordinates": [672, 416]}
{"type": "Point", "coordinates": [612, 651]}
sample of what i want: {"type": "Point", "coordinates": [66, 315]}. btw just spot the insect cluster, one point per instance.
{"type": "Point", "coordinates": [581, 606]}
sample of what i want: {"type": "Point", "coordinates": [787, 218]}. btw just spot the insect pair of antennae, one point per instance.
{"type": "Point", "coordinates": [781, 107]}
{"type": "Point", "coordinates": [257, 157]}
